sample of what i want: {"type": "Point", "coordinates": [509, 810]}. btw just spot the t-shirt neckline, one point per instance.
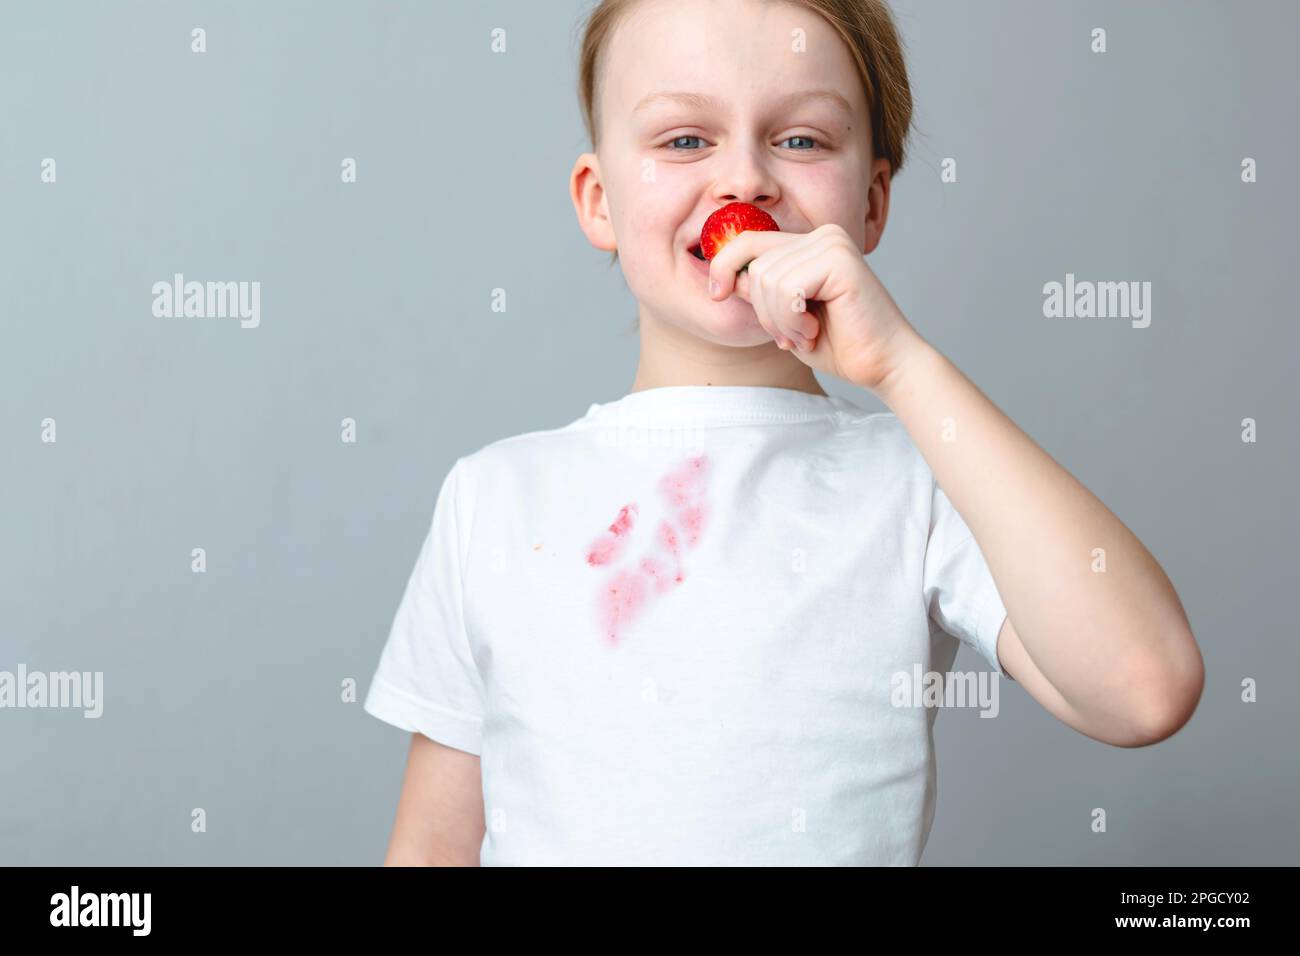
{"type": "Point", "coordinates": [701, 406]}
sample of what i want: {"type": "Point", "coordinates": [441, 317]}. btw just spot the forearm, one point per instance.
{"type": "Point", "coordinates": [428, 856]}
{"type": "Point", "coordinates": [1112, 642]}
{"type": "Point", "coordinates": [440, 817]}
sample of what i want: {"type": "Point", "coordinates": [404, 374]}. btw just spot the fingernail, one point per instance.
{"type": "Point", "coordinates": [713, 287]}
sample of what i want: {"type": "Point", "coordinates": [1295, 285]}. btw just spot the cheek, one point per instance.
{"type": "Point", "coordinates": [653, 210]}
{"type": "Point", "coordinates": [650, 220]}
{"type": "Point", "coordinates": [835, 194]}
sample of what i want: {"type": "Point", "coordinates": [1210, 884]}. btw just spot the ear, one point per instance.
{"type": "Point", "coordinates": [877, 204]}
{"type": "Point", "coordinates": [589, 202]}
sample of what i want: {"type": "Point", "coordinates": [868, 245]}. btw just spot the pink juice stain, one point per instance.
{"type": "Point", "coordinates": [668, 541]}
{"type": "Point", "coordinates": [623, 598]}
{"type": "Point", "coordinates": [656, 572]}
{"type": "Point", "coordinates": [684, 489]}
{"type": "Point", "coordinates": [609, 545]}
{"type": "Point", "coordinates": [627, 593]}
{"type": "Point", "coordinates": [692, 520]}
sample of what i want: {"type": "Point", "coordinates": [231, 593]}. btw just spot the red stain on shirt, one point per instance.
{"type": "Point", "coordinates": [654, 569]}
{"type": "Point", "coordinates": [629, 591]}
{"type": "Point", "coordinates": [668, 537]}
{"type": "Point", "coordinates": [610, 544]}
{"type": "Point", "coordinates": [622, 599]}
{"type": "Point", "coordinates": [668, 541]}
{"type": "Point", "coordinates": [684, 489]}
{"type": "Point", "coordinates": [692, 520]}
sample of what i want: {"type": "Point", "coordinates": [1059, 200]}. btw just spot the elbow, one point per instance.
{"type": "Point", "coordinates": [1171, 697]}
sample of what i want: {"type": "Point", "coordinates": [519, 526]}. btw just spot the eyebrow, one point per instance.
{"type": "Point", "coordinates": [702, 101]}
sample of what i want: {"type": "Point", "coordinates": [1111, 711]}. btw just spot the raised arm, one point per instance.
{"type": "Point", "coordinates": [1099, 636]}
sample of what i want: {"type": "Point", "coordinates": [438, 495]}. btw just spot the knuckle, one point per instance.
{"type": "Point", "coordinates": [837, 235]}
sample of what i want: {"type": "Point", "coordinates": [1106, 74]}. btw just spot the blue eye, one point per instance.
{"type": "Point", "coordinates": [809, 138]}
{"type": "Point", "coordinates": [678, 139]}
{"type": "Point", "coordinates": [672, 145]}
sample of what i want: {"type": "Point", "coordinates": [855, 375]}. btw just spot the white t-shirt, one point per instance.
{"type": "Point", "coordinates": [671, 628]}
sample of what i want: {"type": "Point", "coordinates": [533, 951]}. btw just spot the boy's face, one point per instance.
{"type": "Point", "coordinates": [664, 165]}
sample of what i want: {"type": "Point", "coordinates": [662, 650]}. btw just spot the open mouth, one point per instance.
{"type": "Point", "coordinates": [695, 251]}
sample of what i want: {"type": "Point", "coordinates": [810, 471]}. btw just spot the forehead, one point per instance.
{"type": "Point", "coordinates": [735, 54]}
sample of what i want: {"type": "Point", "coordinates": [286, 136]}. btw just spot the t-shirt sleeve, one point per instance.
{"type": "Point", "coordinates": [427, 680]}
{"type": "Point", "coordinates": [958, 587]}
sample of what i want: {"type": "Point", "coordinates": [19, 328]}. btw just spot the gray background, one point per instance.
{"type": "Point", "coordinates": [222, 689]}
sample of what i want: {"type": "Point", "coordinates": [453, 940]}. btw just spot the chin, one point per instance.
{"type": "Point", "coordinates": [731, 324]}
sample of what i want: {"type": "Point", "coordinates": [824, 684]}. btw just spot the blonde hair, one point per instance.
{"type": "Point", "coordinates": [868, 30]}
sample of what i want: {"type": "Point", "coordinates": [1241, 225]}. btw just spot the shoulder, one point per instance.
{"type": "Point", "coordinates": [515, 456]}
{"type": "Point", "coordinates": [881, 434]}
{"type": "Point", "coordinates": [882, 424]}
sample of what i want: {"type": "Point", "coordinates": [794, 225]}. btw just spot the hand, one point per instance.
{"type": "Point", "coordinates": [817, 287]}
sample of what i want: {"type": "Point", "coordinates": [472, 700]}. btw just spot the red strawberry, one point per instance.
{"type": "Point", "coordinates": [730, 221]}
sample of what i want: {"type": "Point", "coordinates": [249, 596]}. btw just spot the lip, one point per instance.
{"type": "Point", "coordinates": [700, 265]}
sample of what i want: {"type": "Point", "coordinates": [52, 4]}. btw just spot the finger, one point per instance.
{"type": "Point", "coordinates": [792, 280]}
{"type": "Point", "coordinates": [745, 290]}
{"type": "Point", "coordinates": [755, 286]}
{"type": "Point", "coordinates": [764, 295]}
{"type": "Point", "coordinates": [778, 309]}
{"type": "Point", "coordinates": [801, 281]}
{"type": "Point", "coordinates": [746, 247]}
{"type": "Point", "coordinates": [768, 263]}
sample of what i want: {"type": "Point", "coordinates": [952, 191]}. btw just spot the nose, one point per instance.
{"type": "Point", "coordinates": [744, 177]}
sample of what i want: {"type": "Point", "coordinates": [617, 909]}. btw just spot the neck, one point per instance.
{"type": "Point", "coordinates": [673, 356]}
